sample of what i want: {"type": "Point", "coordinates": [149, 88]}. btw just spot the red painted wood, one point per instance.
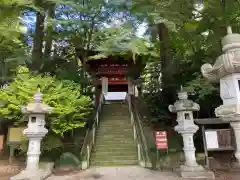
{"type": "Point", "coordinates": [114, 70]}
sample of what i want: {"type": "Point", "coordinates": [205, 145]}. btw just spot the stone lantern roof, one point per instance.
{"type": "Point", "coordinates": [37, 107]}
{"type": "Point", "coordinates": [183, 104]}
{"type": "Point", "coordinates": [227, 63]}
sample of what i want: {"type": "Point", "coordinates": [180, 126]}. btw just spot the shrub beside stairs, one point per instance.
{"type": "Point", "coordinates": [114, 145]}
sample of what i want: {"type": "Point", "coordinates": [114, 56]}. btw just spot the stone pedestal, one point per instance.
{"type": "Point", "coordinates": [35, 132]}
{"type": "Point", "coordinates": [186, 127]}
{"type": "Point", "coordinates": [236, 127]}
{"type": "Point", "coordinates": [227, 70]}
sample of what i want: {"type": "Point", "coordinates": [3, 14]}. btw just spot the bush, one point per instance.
{"type": "Point", "coordinates": [68, 159]}
{"type": "Point", "coordinates": [70, 108]}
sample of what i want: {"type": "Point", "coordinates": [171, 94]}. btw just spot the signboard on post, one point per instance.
{"type": "Point", "coordinates": [219, 139]}
{"type": "Point", "coordinates": [14, 139]}
{"type": "Point", "coordinates": [161, 140]}
{"type": "Point", "coordinates": [15, 135]}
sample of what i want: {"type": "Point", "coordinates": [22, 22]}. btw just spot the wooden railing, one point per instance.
{"type": "Point", "coordinates": [139, 137]}
{"type": "Point", "coordinates": [90, 136]}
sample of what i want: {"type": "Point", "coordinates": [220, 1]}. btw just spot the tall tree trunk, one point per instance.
{"type": "Point", "coordinates": [168, 92]}
{"type": "Point", "coordinates": [37, 53]}
{"type": "Point", "coordinates": [49, 35]}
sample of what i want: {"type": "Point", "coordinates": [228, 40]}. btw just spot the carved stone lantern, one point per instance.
{"type": "Point", "coordinates": [227, 70]}
{"type": "Point", "coordinates": [186, 127]}
{"type": "Point", "coordinates": [35, 131]}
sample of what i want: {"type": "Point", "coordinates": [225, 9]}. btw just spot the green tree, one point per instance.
{"type": "Point", "coordinates": [71, 108]}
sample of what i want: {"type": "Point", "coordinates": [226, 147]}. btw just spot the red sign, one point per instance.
{"type": "Point", "coordinates": [161, 140]}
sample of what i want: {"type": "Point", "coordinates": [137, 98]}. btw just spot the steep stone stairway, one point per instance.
{"type": "Point", "coordinates": [114, 145]}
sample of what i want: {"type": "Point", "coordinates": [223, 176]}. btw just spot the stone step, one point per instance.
{"type": "Point", "coordinates": [115, 158]}
{"type": "Point", "coordinates": [113, 162]}
{"type": "Point", "coordinates": [118, 120]}
{"type": "Point", "coordinates": [114, 149]}
{"type": "Point", "coordinates": [114, 129]}
{"type": "Point", "coordinates": [123, 134]}
{"type": "Point", "coordinates": [110, 138]}
{"type": "Point", "coordinates": [119, 148]}
{"type": "Point", "coordinates": [112, 114]}
{"type": "Point", "coordinates": [111, 154]}
{"type": "Point", "coordinates": [115, 143]}
{"type": "Point", "coordinates": [115, 126]}
{"type": "Point", "coordinates": [114, 137]}
{"type": "Point", "coordinates": [113, 111]}
{"type": "Point", "coordinates": [106, 132]}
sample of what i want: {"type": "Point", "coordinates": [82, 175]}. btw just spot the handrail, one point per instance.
{"type": "Point", "coordinates": [89, 139]}
{"type": "Point", "coordinates": [143, 154]}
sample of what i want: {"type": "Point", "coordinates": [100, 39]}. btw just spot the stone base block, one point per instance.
{"type": "Point", "coordinates": [84, 165]}
{"type": "Point", "coordinates": [195, 172]}
{"type": "Point", "coordinates": [40, 174]}
{"type": "Point", "coordinates": [235, 167]}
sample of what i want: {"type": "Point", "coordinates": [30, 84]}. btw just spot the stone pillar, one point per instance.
{"type": "Point", "coordinates": [104, 85]}
{"type": "Point", "coordinates": [130, 87]}
{"type": "Point", "coordinates": [227, 70]}
{"type": "Point", "coordinates": [186, 127]}
{"type": "Point", "coordinates": [35, 131]}
{"type": "Point", "coordinates": [236, 128]}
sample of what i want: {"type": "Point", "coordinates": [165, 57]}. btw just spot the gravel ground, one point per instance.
{"type": "Point", "coordinates": [133, 173]}
{"type": "Point", "coordinates": [118, 173]}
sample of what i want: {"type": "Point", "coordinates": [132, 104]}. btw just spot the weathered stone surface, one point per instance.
{"type": "Point", "coordinates": [118, 173]}
{"type": "Point", "coordinates": [197, 174]}
{"type": "Point", "coordinates": [227, 70]}
{"type": "Point", "coordinates": [227, 63]}
{"type": "Point", "coordinates": [35, 131]}
{"type": "Point", "coordinates": [186, 127]}
{"type": "Point", "coordinates": [44, 171]}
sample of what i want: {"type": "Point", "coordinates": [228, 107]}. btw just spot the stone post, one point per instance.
{"type": "Point", "coordinates": [104, 85]}
{"type": "Point", "coordinates": [186, 127]}
{"type": "Point", "coordinates": [130, 87]}
{"type": "Point", "coordinates": [227, 70]}
{"type": "Point", "coordinates": [35, 131]}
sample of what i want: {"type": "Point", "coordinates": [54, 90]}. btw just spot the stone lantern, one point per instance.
{"type": "Point", "coordinates": [227, 70]}
{"type": "Point", "coordinates": [186, 127]}
{"type": "Point", "coordinates": [35, 131]}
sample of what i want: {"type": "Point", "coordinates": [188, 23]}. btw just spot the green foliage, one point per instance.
{"type": "Point", "coordinates": [71, 108]}
{"type": "Point", "coordinates": [200, 86]}
{"type": "Point", "coordinates": [121, 40]}
{"type": "Point", "coordinates": [11, 44]}
{"type": "Point", "coordinates": [50, 143]}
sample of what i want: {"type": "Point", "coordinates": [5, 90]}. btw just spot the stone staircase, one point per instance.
{"type": "Point", "coordinates": [114, 145]}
